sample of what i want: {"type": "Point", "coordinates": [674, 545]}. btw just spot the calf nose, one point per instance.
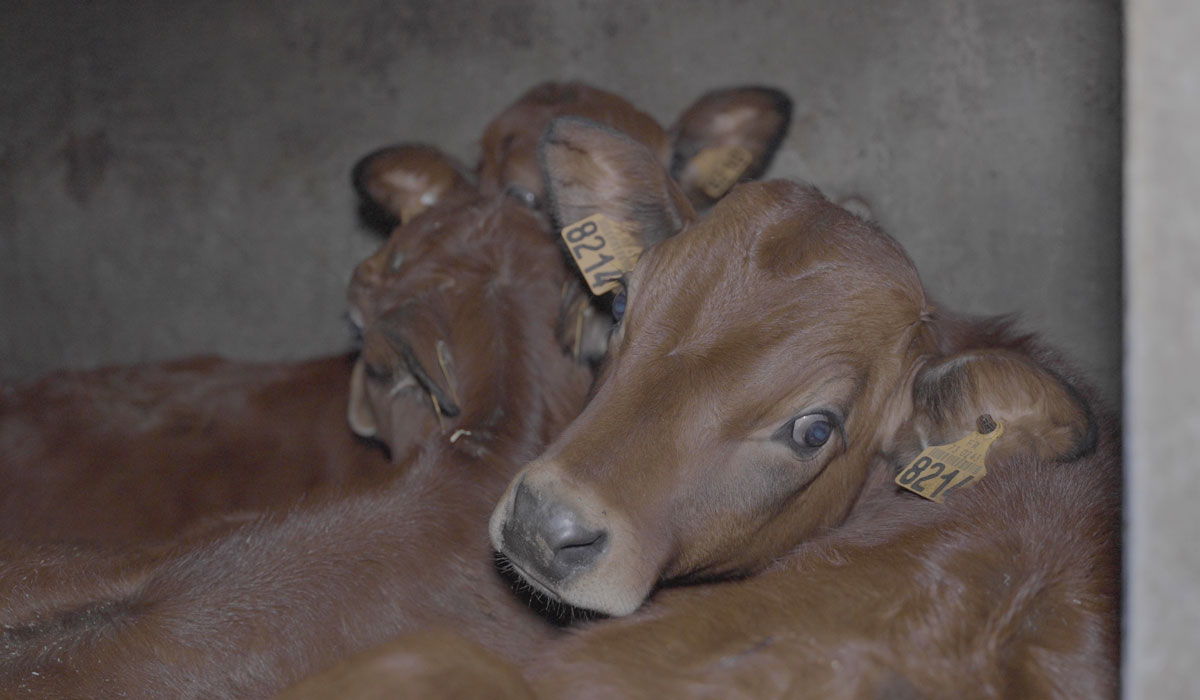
{"type": "Point", "coordinates": [549, 539]}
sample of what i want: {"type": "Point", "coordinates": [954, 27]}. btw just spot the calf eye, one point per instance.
{"type": "Point", "coordinates": [376, 372]}
{"type": "Point", "coordinates": [618, 306]}
{"type": "Point", "coordinates": [810, 432]}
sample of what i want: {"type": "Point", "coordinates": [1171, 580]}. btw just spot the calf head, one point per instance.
{"type": "Point", "coordinates": [456, 288]}
{"type": "Point", "coordinates": [770, 354]}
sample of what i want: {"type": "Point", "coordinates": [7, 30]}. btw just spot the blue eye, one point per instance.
{"type": "Point", "coordinates": [618, 306]}
{"type": "Point", "coordinates": [812, 430]}
{"type": "Point", "coordinates": [817, 434]}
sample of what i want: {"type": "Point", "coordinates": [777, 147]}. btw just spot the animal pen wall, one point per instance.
{"type": "Point", "coordinates": [176, 176]}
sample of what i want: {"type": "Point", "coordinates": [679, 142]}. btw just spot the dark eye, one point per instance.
{"type": "Point", "coordinates": [811, 431]}
{"type": "Point", "coordinates": [376, 373]}
{"type": "Point", "coordinates": [618, 306]}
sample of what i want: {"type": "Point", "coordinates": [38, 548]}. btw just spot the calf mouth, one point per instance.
{"type": "Point", "coordinates": [522, 576]}
{"type": "Point", "coordinates": [539, 596]}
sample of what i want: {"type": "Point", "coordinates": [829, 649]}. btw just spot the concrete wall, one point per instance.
{"type": "Point", "coordinates": [1162, 273]}
{"type": "Point", "coordinates": [174, 176]}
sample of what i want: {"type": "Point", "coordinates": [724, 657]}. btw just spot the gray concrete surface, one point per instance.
{"type": "Point", "coordinates": [173, 176]}
{"type": "Point", "coordinates": [1162, 273]}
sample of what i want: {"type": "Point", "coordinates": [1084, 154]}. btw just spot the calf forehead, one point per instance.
{"type": "Point", "coordinates": [458, 249]}
{"type": "Point", "coordinates": [776, 265]}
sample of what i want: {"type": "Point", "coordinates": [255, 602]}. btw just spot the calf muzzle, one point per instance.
{"type": "Point", "coordinates": [549, 540]}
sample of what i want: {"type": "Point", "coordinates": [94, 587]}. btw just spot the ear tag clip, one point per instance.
{"type": "Point", "coordinates": [940, 470]}
{"type": "Point", "coordinates": [720, 167]}
{"type": "Point", "coordinates": [604, 251]}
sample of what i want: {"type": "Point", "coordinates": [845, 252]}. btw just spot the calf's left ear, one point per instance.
{"type": "Point", "coordinates": [593, 169]}
{"type": "Point", "coordinates": [1043, 415]}
{"type": "Point", "coordinates": [725, 137]}
{"type": "Point", "coordinates": [407, 179]}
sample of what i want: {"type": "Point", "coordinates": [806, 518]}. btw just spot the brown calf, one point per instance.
{"type": "Point", "coordinates": [777, 363]}
{"type": "Point", "coordinates": [471, 313]}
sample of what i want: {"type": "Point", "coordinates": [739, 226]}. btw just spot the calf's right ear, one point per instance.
{"type": "Point", "coordinates": [592, 169]}
{"type": "Point", "coordinates": [407, 179]}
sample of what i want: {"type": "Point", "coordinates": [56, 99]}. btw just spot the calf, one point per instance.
{"type": "Point", "coordinates": [470, 313]}
{"type": "Point", "coordinates": [776, 364]}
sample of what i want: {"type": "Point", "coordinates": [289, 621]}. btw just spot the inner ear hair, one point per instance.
{"type": "Point", "coordinates": [591, 168]}
{"type": "Point", "coordinates": [1040, 409]}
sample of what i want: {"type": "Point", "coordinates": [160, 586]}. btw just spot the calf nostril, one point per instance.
{"type": "Point", "coordinates": [549, 538]}
{"type": "Point", "coordinates": [573, 544]}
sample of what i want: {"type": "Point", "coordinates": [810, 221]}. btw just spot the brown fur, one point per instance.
{"type": "Point", "coordinates": [421, 665]}
{"type": "Point", "coordinates": [245, 612]}
{"type": "Point", "coordinates": [139, 453]}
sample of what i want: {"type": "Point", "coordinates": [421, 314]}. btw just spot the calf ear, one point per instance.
{"type": "Point", "coordinates": [592, 169]}
{"type": "Point", "coordinates": [583, 326]}
{"type": "Point", "coordinates": [1042, 414]}
{"type": "Point", "coordinates": [359, 413]}
{"type": "Point", "coordinates": [725, 137]}
{"type": "Point", "coordinates": [407, 179]}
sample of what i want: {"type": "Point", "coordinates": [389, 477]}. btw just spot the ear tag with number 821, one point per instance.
{"type": "Point", "coordinates": [943, 469]}
{"type": "Point", "coordinates": [604, 250]}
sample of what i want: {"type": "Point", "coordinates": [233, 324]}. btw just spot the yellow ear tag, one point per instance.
{"type": "Point", "coordinates": [603, 249]}
{"type": "Point", "coordinates": [940, 470]}
{"type": "Point", "coordinates": [720, 167]}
